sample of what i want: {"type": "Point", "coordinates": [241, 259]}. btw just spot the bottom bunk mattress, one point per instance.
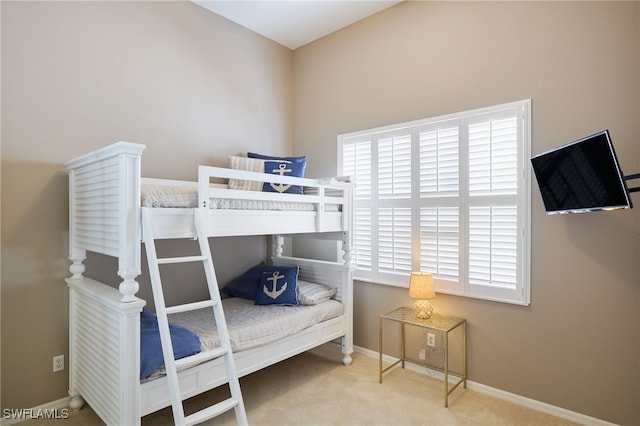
{"type": "Point", "coordinates": [251, 325]}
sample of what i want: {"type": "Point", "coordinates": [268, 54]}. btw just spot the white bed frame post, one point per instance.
{"type": "Point", "coordinates": [104, 323]}
{"type": "Point", "coordinates": [130, 229]}
{"type": "Point", "coordinates": [347, 257]}
{"type": "Point", "coordinates": [347, 277]}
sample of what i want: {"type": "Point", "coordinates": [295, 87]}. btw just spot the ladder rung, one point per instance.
{"type": "Point", "coordinates": [201, 357]}
{"type": "Point", "coordinates": [190, 306]}
{"type": "Point", "coordinates": [181, 259]}
{"type": "Point", "coordinates": [210, 412]}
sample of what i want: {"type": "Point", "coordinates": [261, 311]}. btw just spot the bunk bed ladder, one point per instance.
{"type": "Point", "coordinates": [171, 364]}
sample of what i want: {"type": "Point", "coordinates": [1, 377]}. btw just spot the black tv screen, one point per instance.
{"type": "Point", "coordinates": [581, 176]}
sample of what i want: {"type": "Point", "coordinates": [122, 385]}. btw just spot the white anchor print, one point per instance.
{"type": "Point", "coordinates": [275, 293]}
{"type": "Point", "coordinates": [280, 187]}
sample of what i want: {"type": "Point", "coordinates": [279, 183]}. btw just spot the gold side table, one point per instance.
{"type": "Point", "coordinates": [437, 322]}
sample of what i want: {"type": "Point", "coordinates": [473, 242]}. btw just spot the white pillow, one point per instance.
{"type": "Point", "coordinates": [247, 164]}
{"type": "Point", "coordinates": [314, 293]}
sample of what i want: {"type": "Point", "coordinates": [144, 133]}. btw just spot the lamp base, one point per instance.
{"type": "Point", "coordinates": [422, 309]}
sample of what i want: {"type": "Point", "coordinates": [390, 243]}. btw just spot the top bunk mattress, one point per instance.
{"type": "Point", "coordinates": [185, 195]}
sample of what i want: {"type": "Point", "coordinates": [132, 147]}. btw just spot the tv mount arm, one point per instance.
{"type": "Point", "coordinates": [631, 177]}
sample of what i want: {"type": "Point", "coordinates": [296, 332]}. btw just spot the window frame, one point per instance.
{"type": "Point", "coordinates": [518, 294]}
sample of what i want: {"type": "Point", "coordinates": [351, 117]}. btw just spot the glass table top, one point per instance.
{"type": "Point", "coordinates": [437, 321]}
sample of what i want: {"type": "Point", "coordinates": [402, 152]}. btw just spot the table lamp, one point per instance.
{"type": "Point", "coordinates": [421, 288]}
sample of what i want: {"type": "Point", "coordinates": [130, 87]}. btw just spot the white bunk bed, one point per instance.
{"type": "Point", "coordinates": [105, 217]}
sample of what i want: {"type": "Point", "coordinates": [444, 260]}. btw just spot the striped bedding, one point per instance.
{"type": "Point", "coordinates": [252, 325]}
{"type": "Point", "coordinates": [186, 196]}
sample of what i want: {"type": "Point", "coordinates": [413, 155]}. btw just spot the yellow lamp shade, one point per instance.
{"type": "Point", "coordinates": [421, 288]}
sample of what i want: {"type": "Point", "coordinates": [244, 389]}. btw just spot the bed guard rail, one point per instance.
{"type": "Point", "coordinates": [317, 191]}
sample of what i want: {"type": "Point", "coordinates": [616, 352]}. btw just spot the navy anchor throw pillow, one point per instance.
{"type": "Point", "coordinates": [283, 168]}
{"type": "Point", "coordinates": [279, 287]}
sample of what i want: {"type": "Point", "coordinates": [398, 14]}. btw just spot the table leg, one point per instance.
{"type": "Point", "coordinates": [402, 353]}
{"type": "Point", "coordinates": [446, 369]}
{"type": "Point", "coordinates": [380, 349]}
{"type": "Point", "coordinates": [464, 345]}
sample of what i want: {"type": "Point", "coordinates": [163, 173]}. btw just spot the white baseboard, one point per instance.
{"type": "Point", "coordinates": [507, 396]}
{"type": "Point", "coordinates": [50, 410]}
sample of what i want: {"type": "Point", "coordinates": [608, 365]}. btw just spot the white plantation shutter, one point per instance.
{"type": "Point", "coordinates": [448, 195]}
{"type": "Point", "coordinates": [440, 242]}
{"type": "Point", "coordinates": [394, 166]}
{"type": "Point", "coordinates": [362, 234]}
{"type": "Point", "coordinates": [356, 161]}
{"type": "Point", "coordinates": [492, 246]}
{"type": "Point", "coordinates": [439, 212]}
{"type": "Point", "coordinates": [439, 160]}
{"type": "Point", "coordinates": [493, 213]}
{"type": "Point", "coordinates": [394, 240]}
{"type": "Point", "coordinates": [493, 156]}
{"type": "Point", "coordinates": [394, 215]}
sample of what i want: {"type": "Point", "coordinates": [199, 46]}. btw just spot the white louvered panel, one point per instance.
{"type": "Point", "coordinates": [97, 230]}
{"type": "Point", "coordinates": [99, 200]}
{"type": "Point", "coordinates": [394, 166]}
{"type": "Point", "coordinates": [480, 158]}
{"type": "Point", "coordinates": [95, 325]}
{"type": "Point", "coordinates": [440, 242]}
{"type": "Point", "coordinates": [439, 160]}
{"type": "Point", "coordinates": [96, 354]}
{"type": "Point", "coordinates": [505, 156]}
{"type": "Point", "coordinates": [493, 157]}
{"type": "Point", "coordinates": [96, 238]}
{"type": "Point", "coordinates": [493, 246]}
{"type": "Point", "coordinates": [394, 240]}
{"type": "Point", "coordinates": [97, 173]}
{"type": "Point", "coordinates": [103, 341]}
{"type": "Point", "coordinates": [505, 246]}
{"type": "Point", "coordinates": [104, 195]}
{"type": "Point", "coordinates": [97, 204]}
{"type": "Point", "coordinates": [98, 388]}
{"type": "Point", "coordinates": [361, 238]}
{"type": "Point", "coordinates": [357, 162]}
{"type": "Point", "coordinates": [108, 247]}
{"type": "Point", "coordinates": [89, 192]}
{"type": "Point", "coordinates": [101, 182]}
{"type": "Point", "coordinates": [86, 222]}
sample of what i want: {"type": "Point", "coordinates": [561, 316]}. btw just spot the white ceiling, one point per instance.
{"type": "Point", "coordinates": [294, 23]}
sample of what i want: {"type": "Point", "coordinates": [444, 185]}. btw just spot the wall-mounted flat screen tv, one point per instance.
{"type": "Point", "coordinates": [581, 176]}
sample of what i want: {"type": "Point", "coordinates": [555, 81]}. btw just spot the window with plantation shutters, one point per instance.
{"type": "Point", "coordinates": [447, 195]}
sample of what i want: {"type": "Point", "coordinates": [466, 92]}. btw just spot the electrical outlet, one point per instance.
{"type": "Point", "coordinates": [423, 354]}
{"type": "Point", "coordinates": [431, 340]}
{"type": "Point", "coordinates": [58, 363]}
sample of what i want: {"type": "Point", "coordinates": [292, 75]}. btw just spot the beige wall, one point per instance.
{"type": "Point", "coordinates": [76, 76]}
{"type": "Point", "coordinates": [577, 346]}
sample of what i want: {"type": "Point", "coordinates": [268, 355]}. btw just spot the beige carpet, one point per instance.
{"type": "Point", "coordinates": [314, 388]}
